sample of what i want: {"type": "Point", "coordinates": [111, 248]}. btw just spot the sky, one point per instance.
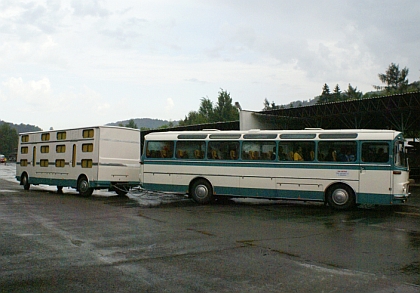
{"type": "Point", "coordinates": [77, 63]}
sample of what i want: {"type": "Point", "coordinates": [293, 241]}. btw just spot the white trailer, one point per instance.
{"type": "Point", "coordinates": [89, 158]}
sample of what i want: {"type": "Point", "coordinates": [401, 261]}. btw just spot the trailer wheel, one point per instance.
{"type": "Point", "coordinates": [83, 187]}
{"type": "Point", "coordinates": [202, 191]}
{"type": "Point", "coordinates": [25, 182]}
{"type": "Point", "coordinates": [341, 197]}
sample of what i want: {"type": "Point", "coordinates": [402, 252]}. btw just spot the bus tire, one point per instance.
{"type": "Point", "coordinates": [201, 191]}
{"type": "Point", "coordinates": [25, 182]}
{"type": "Point", "coordinates": [83, 187]}
{"type": "Point", "coordinates": [341, 197]}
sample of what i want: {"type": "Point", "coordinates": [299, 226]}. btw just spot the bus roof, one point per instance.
{"type": "Point", "coordinates": [308, 133]}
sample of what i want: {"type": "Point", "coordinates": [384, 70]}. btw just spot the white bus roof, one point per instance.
{"type": "Point", "coordinates": [356, 134]}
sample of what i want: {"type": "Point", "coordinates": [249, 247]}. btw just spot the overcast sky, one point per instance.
{"type": "Point", "coordinates": [75, 63]}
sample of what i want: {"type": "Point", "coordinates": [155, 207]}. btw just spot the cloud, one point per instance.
{"type": "Point", "coordinates": [169, 104]}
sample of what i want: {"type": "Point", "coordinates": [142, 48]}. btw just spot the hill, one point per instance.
{"type": "Point", "coordinates": [22, 127]}
{"type": "Point", "coordinates": [145, 123]}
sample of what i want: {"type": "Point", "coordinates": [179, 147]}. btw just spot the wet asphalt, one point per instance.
{"type": "Point", "coordinates": [151, 242]}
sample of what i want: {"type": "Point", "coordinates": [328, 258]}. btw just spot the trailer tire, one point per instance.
{"type": "Point", "coordinates": [83, 187]}
{"type": "Point", "coordinates": [25, 182]}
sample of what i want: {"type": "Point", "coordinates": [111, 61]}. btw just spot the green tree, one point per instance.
{"type": "Point", "coordinates": [325, 96]}
{"type": "Point", "coordinates": [225, 110]}
{"type": "Point", "coordinates": [131, 124]}
{"type": "Point", "coordinates": [337, 93]}
{"type": "Point", "coordinates": [352, 93]}
{"type": "Point", "coordinates": [206, 109]}
{"type": "Point", "coordinates": [268, 106]}
{"type": "Point", "coordinates": [207, 113]}
{"type": "Point", "coordinates": [8, 139]}
{"type": "Point", "coordinates": [395, 80]}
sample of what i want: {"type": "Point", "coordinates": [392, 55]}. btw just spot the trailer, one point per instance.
{"type": "Point", "coordinates": [89, 158]}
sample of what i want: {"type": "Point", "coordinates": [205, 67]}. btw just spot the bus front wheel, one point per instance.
{"type": "Point", "coordinates": [83, 187]}
{"type": "Point", "coordinates": [341, 197]}
{"type": "Point", "coordinates": [201, 191]}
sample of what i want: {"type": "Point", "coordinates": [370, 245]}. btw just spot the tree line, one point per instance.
{"type": "Point", "coordinates": [394, 81]}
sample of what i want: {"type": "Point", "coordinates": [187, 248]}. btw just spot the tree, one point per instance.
{"type": "Point", "coordinates": [130, 124]}
{"type": "Point", "coordinates": [337, 93]}
{"type": "Point", "coordinates": [225, 110]}
{"type": "Point", "coordinates": [352, 93]}
{"type": "Point", "coordinates": [268, 106]}
{"type": "Point", "coordinates": [325, 96]}
{"type": "Point", "coordinates": [207, 113]}
{"type": "Point", "coordinates": [206, 109]}
{"type": "Point", "coordinates": [394, 78]}
{"type": "Point", "coordinates": [8, 139]}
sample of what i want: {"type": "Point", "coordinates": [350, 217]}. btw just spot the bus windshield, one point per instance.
{"type": "Point", "coordinates": [400, 159]}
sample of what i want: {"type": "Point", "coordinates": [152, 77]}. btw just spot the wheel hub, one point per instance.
{"type": "Point", "coordinates": [340, 196]}
{"type": "Point", "coordinates": [201, 191]}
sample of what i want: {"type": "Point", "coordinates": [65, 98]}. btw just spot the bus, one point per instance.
{"type": "Point", "coordinates": [342, 168]}
{"type": "Point", "coordinates": [102, 157]}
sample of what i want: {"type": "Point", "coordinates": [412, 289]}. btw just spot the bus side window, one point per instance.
{"type": "Point", "coordinates": [223, 150]}
{"type": "Point", "coordinates": [337, 151]}
{"type": "Point", "coordinates": [159, 149]}
{"type": "Point", "coordinates": [190, 149]}
{"type": "Point", "coordinates": [375, 152]}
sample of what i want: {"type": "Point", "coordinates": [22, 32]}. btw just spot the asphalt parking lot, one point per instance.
{"type": "Point", "coordinates": [150, 242]}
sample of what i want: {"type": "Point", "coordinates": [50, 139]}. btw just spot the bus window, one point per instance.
{"type": "Point", "coordinates": [160, 149]}
{"type": "Point", "coordinates": [259, 150]}
{"type": "Point", "coordinates": [296, 150]}
{"type": "Point", "coordinates": [399, 155]}
{"type": "Point", "coordinates": [337, 151]}
{"type": "Point", "coordinates": [375, 152]}
{"type": "Point", "coordinates": [223, 150]}
{"type": "Point", "coordinates": [190, 149]}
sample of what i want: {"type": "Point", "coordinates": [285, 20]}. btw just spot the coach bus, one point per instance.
{"type": "Point", "coordinates": [342, 168]}
{"type": "Point", "coordinates": [89, 158]}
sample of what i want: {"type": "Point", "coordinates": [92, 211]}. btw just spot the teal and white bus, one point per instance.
{"type": "Point", "coordinates": [343, 168]}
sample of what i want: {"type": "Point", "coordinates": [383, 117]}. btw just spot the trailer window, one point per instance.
{"type": "Point", "coordinates": [45, 149]}
{"type": "Point", "coordinates": [45, 136]}
{"type": "Point", "coordinates": [25, 138]}
{"type": "Point", "coordinates": [24, 150]}
{"type": "Point", "coordinates": [88, 133]}
{"type": "Point", "coordinates": [87, 147]}
{"type": "Point", "coordinates": [60, 163]}
{"type": "Point", "coordinates": [86, 163]}
{"type": "Point", "coordinates": [43, 163]}
{"type": "Point", "coordinates": [23, 162]}
{"type": "Point", "coordinates": [61, 148]}
{"type": "Point", "coordinates": [61, 135]}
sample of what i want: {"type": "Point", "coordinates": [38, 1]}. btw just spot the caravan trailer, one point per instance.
{"type": "Point", "coordinates": [101, 157]}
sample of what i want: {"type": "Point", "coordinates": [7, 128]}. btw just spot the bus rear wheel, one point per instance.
{"type": "Point", "coordinates": [341, 197]}
{"type": "Point", "coordinates": [25, 182]}
{"type": "Point", "coordinates": [83, 187]}
{"type": "Point", "coordinates": [201, 191]}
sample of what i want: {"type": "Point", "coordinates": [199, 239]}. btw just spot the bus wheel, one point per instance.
{"type": "Point", "coordinates": [201, 191]}
{"type": "Point", "coordinates": [83, 187]}
{"type": "Point", "coordinates": [25, 182]}
{"type": "Point", "coordinates": [341, 197]}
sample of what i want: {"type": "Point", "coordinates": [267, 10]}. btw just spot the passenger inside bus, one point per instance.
{"type": "Point", "coordinates": [297, 156]}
